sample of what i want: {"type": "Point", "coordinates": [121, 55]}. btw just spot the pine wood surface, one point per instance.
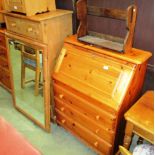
{"type": "Point", "coordinates": [136, 56]}
{"type": "Point", "coordinates": [96, 87]}
{"type": "Point", "coordinates": [30, 8]}
{"type": "Point", "coordinates": [140, 119]}
{"type": "Point", "coordinates": [5, 80]}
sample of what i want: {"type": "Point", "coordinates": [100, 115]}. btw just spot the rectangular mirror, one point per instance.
{"type": "Point", "coordinates": [30, 80]}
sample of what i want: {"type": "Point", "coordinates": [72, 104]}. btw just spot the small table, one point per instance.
{"type": "Point", "coordinates": [140, 119]}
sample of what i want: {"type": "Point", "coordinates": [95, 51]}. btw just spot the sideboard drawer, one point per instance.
{"type": "Point", "coordinates": [97, 143]}
{"type": "Point", "coordinates": [3, 62]}
{"type": "Point", "coordinates": [2, 40]}
{"type": "Point", "coordinates": [5, 77]}
{"type": "Point", "coordinates": [83, 120]}
{"type": "Point", "coordinates": [87, 108]}
{"type": "Point", "coordinates": [3, 53]}
{"type": "Point", "coordinates": [24, 27]}
{"type": "Point", "coordinates": [13, 24]}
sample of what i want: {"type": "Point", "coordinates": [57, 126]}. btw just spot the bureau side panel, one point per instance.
{"type": "Point", "coordinates": [132, 95]}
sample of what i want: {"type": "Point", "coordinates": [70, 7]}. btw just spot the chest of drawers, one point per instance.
{"type": "Point", "coordinates": [5, 80]}
{"type": "Point", "coordinates": [28, 7]}
{"type": "Point", "coordinates": [93, 88]}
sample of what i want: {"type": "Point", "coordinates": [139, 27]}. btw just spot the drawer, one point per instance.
{"type": "Point", "coordinates": [3, 53]}
{"type": "Point", "coordinates": [16, 5]}
{"type": "Point", "coordinates": [88, 109]}
{"type": "Point", "coordinates": [5, 77]}
{"type": "Point", "coordinates": [25, 27]}
{"type": "Point", "coordinates": [84, 134]}
{"type": "Point", "coordinates": [2, 40]}
{"type": "Point", "coordinates": [4, 63]}
{"type": "Point", "coordinates": [83, 120]}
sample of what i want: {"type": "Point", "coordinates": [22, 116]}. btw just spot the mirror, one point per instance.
{"type": "Point", "coordinates": [30, 87]}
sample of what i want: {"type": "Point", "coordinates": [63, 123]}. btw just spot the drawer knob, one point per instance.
{"type": "Point", "coordinates": [97, 131]}
{"type": "Point", "coordinates": [30, 29]}
{"type": "Point", "coordinates": [97, 117]}
{"type": "Point", "coordinates": [63, 121]}
{"type": "Point", "coordinates": [13, 24]}
{"type": "Point", "coordinates": [61, 96]}
{"type": "Point", "coordinates": [62, 109]}
{"type": "Point", "coordinates": [96, 144]}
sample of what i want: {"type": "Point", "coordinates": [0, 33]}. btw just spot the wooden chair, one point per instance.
{"type": "Point", "coordinates": [32, 59]}
{"type": "Point", "coordinates": [104, 40]}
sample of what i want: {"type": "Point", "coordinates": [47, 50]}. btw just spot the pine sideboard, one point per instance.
{"type": "Point", "coordinates": [5, 80]}
{"type": "Point", "coordinates": [93, 87]}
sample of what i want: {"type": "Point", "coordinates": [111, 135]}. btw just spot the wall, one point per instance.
{"type": "Point", "coordinates": [144, 32]}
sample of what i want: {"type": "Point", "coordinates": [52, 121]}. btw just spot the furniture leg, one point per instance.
{"type": "Point", "coordinates": [128, 135]}
{"type": "Point", "coordinates": [37, 75]}
{"type": "Point", "coordinates": [23, 76]}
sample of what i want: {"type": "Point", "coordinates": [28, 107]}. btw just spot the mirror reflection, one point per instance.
{"type": "Point", "coordinates": [27, 67]}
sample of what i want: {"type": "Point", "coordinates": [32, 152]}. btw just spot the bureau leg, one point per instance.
{"type": "Point", "coordinates": [128, 135]}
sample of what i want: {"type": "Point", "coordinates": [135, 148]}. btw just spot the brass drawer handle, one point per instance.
{"type": "Point", "coordinates": [96, 144]}
{"type": "Point", "coordinates": [97, 131]}
{"type": "Point", "coordinates": [13, 24]}
{"type": "Point", "coordinates": [97, 117]}
{"type": "Point", "coordinates": [62, 109]}
{"type": "Point", "coordinates": [30, 29]}
{"type": "Point", "coordinates": [63, 121]}
{"type": "Point", "coordinates": [61, 96]}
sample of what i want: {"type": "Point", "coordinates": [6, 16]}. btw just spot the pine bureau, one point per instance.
{"type": "Point", "coordinates": [93, 87]}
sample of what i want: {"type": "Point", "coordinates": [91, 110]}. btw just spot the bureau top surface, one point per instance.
{"type": "Point", "coordinates": [136, 56]}
{"type": "Point", "coordinates": [40, 17]}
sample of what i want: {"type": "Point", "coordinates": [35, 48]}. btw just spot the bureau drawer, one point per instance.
{"type": "Point", "coordinates": [84, 134]}
{"type": "Point", "coordinates": [2, 40]}
{"type": "Point", "coordinates": [84, 121]}
{"type": "Point", "coordinates": [97, 114]}
{"type": "Point", "coordinates": [25, 27]}
{"type": "Point", "coordinates": [5, 77]}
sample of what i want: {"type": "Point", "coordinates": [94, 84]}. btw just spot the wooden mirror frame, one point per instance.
{"type": "Point", "coordinates": [46, 80]}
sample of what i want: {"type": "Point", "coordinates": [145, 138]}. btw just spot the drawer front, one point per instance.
{"type": "Point", "coordinates": [86, 108]}
{"type": "Point", "coordinates": [5, 77]}
{"type": "Point", "coordinates": [84, 121]}
{"type": "Point", "coordinates": [25, 27]}
{"type": "Point", "coordinates": [2, 40]}
{"type": "Point", "coordinates": [3, 53]}
{"type": "Point", "coordinates": [4, 63]}
{"type": "Point", "coordinates": [84, 134]}
{"type": "Point", "coordinates": [13, 24]}
{"type": "Point", "coordinates": [16, 5]}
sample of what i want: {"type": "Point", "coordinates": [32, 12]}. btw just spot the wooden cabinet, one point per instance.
{"type": "Point", "coordinates": [47, 28]}
{"type": "Point", "coordinates": [45, 32]}
{"type": "Point", "coordinates": [93, 87]}
{"type": "Point", "coordinates": [5, 80]}
{"type": "Point", "coordinates": [30, 8]}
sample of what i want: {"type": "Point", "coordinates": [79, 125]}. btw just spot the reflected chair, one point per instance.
{"type": "Point", "coordinates": [31, 59]}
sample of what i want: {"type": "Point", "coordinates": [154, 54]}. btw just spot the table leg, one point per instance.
{"type": "Point", "coordinates": [128, 135]}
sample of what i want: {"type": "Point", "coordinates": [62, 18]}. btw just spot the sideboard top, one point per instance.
{"type": "Point", "coordinates": [136, 56]}
{"type": "Point", "coordinates": [40, 17]}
